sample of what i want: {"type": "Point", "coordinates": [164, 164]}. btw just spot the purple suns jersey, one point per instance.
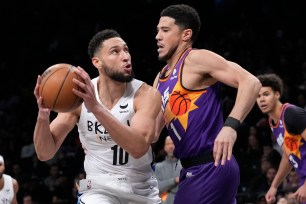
{"type": "Point", "coordinates": [193, 117]}
{"type": "Point", "coordinates": [292, 145]}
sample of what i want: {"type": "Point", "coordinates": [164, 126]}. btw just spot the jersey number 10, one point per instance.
{"type": "Point", "coordinates": [121, 157]}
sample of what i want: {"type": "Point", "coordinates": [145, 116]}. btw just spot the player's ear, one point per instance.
{"type": "Point", "coordinates": [277, 94]}
{"type": "Point", "coordinates": [96, 62]}
{"type": "Point", "coordinates": [187, 33]}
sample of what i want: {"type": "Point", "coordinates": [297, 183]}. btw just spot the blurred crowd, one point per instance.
{"type": "Point", "coordinates": [263, 37]}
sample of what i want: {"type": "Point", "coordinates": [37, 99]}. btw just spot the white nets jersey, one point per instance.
{"type": "Point", "coordinates": [7, 192]}
{"type": "Point", "coordinates": [103, 155]}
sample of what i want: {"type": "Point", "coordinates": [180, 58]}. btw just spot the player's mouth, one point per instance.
{"type": "Point", "coordinates": [128, 67]}
{"type": "Point", "coordinates": [160, 47]}
{"type": "Point", "coordinates": [263, 107]}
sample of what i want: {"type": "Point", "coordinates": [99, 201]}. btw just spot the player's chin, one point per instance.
{"type": "Point", "coordinates": [161, 54]}
{"type": "Point", "coordinates": [127, 73]}
{"type": "Point", "coordinates": [265, 111]}
{"type": "Point", "coordinates": [162, 57]}
{"type": "Point", "coordinates": [128, 70]}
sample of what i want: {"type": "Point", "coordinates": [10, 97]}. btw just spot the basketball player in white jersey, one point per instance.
{"type": "Point", "coordinates": [116, 125]}
{"type": "Point", "coordinates": [8, 186]}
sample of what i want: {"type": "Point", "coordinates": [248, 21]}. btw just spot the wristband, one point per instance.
{"type": "Point", "coordinates": [232, 122]}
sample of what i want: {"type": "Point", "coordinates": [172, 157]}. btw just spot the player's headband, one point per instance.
{"type": "Point", "coordinates": [1, 159]}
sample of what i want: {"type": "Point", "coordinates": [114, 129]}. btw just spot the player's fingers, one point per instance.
{"type": "Point", "coordinates": [78, 93]}
{"type": "Point", "coordinates": [36, 92]}
{"type": "Point", "coordinates": [83, 74]}
{"type": "Point", "coordinates": [39, 79]}
{"type": "Point", "coordinates": [270, 200]}
{"type": "Point", "coordinates": [39, 101]}
{"type": "Point", "coordinates": [224, 153]}
{"type": "Point", "coordinates": [36, 89]}
{"type": "Point", "coordinates": [292, 195]}
{"type": "Point", "coordinates": [217, 153]}
{"type": "Point", "coordinates": [80, 72]}
{"type": "Point", "coordinates": [80, 84]}
{"type": "Point", "coordinates": [229, 151]}
{"type": "Point", "coordinates": [77, 82]}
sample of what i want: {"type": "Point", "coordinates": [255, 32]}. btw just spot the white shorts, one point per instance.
{"type": "Point", "coordinates": [118, 189]}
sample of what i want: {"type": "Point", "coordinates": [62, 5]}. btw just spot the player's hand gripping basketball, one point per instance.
{"type": "Point", "coordinates": [88, 91]}
{"type": "Point", "coordinates": [223, 146]}
{"type": "Point", "coordinates": [44, 112]}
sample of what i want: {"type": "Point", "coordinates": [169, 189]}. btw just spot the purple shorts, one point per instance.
{"type": "Point", "coordinates": [207, 184]}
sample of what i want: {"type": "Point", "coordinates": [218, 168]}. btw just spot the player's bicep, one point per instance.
{"type": "Point", "coordinates": [160, 124]}
{"type": "Point", "coordinates": [143, 123]}
{"type": "Point", "coordinates": [205, 62]}
{"type": "Point", "coordinates": [229, 73]}
{"type": "Point", "coordinates": [147, 109]}
{"type": "Point", "coordinates": [16, 189]}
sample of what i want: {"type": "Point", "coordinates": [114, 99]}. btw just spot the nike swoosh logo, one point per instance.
{"type": "Point", "coordinates": [124, 106]}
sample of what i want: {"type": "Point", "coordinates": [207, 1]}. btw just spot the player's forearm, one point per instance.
{"type": "Point", "coordinates": [283, 170]}
{"type": "Point", "coordinates": [160, 124]}
{"type": "Point", "coordinates": [246, 97]}
{"type": "Point", "coordinates": [43, 140]}
{"type": "Point", "coordinates": [132, 140]}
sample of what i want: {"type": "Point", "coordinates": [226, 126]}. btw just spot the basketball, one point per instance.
{"type": "Point", "coordinates": [56, 88]}
{"type": "Point", "coordinates": [179, 103]}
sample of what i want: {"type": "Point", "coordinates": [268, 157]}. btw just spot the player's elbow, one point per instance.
{"type": "Point", "coordinates": [41, 156]}
{"type": "Point", "coordinates": [138, 154]}
{"type": "Point", "coordinates": [252, 83]}
{"type": "Point", "coordinates": [139, 148]}
{"type": "Point", "coordinates": [256, 84]}
{"type": "Point", "coordinates": [139, 151]}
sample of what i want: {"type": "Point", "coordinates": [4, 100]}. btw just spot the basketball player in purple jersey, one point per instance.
{"type": "Point", "coordinates": [288, 123]}
{"type": "Point", "coordinates": [190, 85]}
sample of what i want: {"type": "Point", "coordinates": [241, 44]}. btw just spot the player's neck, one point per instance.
{"type": "Point", "coordinates": [110, 91]}
{"type": "Point", "coordinates": [275, 114]}
{"type": "Point", "coordinates": [1, 183]}
{"type": "Point", "coordinates": [176, 56]}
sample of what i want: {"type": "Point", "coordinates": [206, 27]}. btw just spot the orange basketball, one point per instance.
{"type": "Point", "coordinates": [179, 103]}
{"type": "Point", "coordinates": [291, 143]}
{"type": "Point", "coordinates": [56, 88]}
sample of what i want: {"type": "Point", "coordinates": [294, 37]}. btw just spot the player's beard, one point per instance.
{"type": "Point", "coordinates": [168, 55]}
{"type": "Point", "coordinates": [118, 76]}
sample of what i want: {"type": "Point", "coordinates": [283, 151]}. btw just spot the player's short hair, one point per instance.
{"type": "Point", "coordinates": [185, 16]}
{"type": "Point", "coordinates": [1, 159]}
{"type": "Point", "coordinates": [99, 38]}
{"type": "Point", "coordinates": [273, 81]}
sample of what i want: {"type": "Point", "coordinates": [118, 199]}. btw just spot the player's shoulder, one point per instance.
{"type": "Point", "coordinates": [202, 53]}
{"type": "Point", "coordinates": [148, 90]}
{"type": "Point", "coordinates": [148, 95]}
{"type": "Point", "coordinates": [7, 176]}
{"type": "Point", "coordinates": [15, 183]}
{"type": "Point", "coordinates": [203, 57]}
{"type": "Point", "coordinates": [293, 108]}
{"type": "Point", "coordinates": [294, 111]}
